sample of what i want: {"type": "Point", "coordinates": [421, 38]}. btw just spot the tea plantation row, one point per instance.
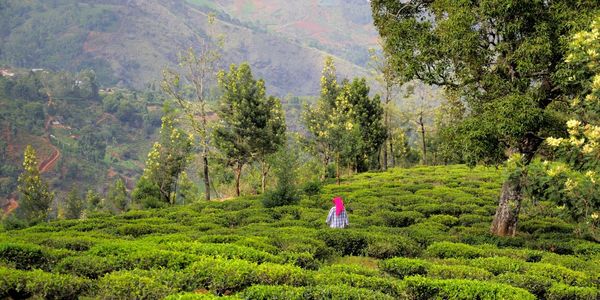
{"type": "Point", "coordinates": [418, 233]}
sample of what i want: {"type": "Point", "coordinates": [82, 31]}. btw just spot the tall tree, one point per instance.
{"type": "Point", "coordinates": [270, 135]}
{"type": "Point", "coordinates": [117, 196]}
{"type": "Point", "coordinates": [316, 117]}
{"type": "Point", "coordinates": [73, 204]}
{"type": "Point", "coordinates": [197, 70]}
{"type": "Point", "coordinates": [503, 57]}
{"type": "Point", "coordinates": [167, 159]}
{"type": "Point", "coordinates": [252, 125]}
{"type": "Point", "coordinates": [367, 113]}
{"type": "Point", "coordinates": [572, 179]}
{"type": "Point", "coordinates": [35, 196]}
{"type": "Point", "coordinates": [386, 77]}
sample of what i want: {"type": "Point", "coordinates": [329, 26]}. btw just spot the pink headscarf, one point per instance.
{"type": "Point", "coordinates": [339, 205]}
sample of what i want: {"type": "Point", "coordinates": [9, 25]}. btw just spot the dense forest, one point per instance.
{"type": "Point", "coordinates": [465, 162]}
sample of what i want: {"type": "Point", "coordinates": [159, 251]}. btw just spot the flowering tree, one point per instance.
{"type": "Point", "coordinates": [573, 178]}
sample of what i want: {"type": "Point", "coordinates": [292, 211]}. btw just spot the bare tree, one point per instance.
{"type": "Point", "coordinates": [188, 86]}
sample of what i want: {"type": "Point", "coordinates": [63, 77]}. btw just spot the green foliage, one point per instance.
{"type": "Point", "coordinates": [74, 205]}
{"type": "Point", "coordinates": [37, 283]}
{"type": "Point", "coordinates": [563, 291]}
{"type": "Point", "coordinates": [453, 250]}
{"type": "Point", "coordinates": [252, 125]}
{"type": "Point", "coordinates": [424, 288]}
{"type": "Point", "coordinates": [35, 194]}
{"type": "Point", "coordinates": [286, 192]}
{"type": "Point", "coordinates": [346, 242]}
{"type": "Point", "coordinates": [403, 267]}
{"type": "Point", "coordinates": [238, 248]}
{"type": "Point", "coordinates": [132, 285]}
{"type": "Point", "coordinates": [167, 159]}
{"type": "Point", "coordinates": [117, 196]}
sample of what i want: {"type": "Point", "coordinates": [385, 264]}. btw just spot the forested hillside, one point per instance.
{"type": "Point", "coordinates": [85, 137]}
{"type": "Point", "coordinates": [129, 42]}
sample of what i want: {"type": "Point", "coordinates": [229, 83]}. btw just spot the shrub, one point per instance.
{"type": "Point", "coordinates": [350, 269]}
{"type": "Point", "coordinates": [312, 188]}
{"type": "Point", "coordinates": [389, 245]}
{"type": "Point", "coordinates": [274, 274]}
{"type": "Point", "coordinates": [221, 275]}
{"type": "Point", "coordinates": [281, 196]}
{"type": "Point", "coordinates": [425, 288]}
{"type": "Point", "coordinates": [383, 285]}
{"type": "Point", "coordinates": [279, 292]}
{"type": "Point", "coordinates": [498, 265]}
{"type": "Point", "coordinates": [39, 284]}
{"type": "Point", "coordinates": [444, 219]}
{"type": "Point", "coordinates": [87, 266]}
{"type": "Point", "coordinates": [131, 285]}
{"type": "Point", "coordinates": [426, 233]}
{"type": "Point", "coordinates": [400, 219]}
{"type": "Point", "coordinates": [27, 256]}
{"type": "Point", "coordinates": [564, 292]}
{"type": "Point", "coordinates": [346, 242]}
{"type": "Point", "coordinates": [453, 250]}
{"type": "Point", "coordinates": [224, 250]}
{"type": "Point", "coordinates": [458, 272]}
{"type": "Point", "coordinates": [303, 260]}
{"type": "Point", "coordinates": [559, 274]}
{"type": "Point", "coordinates": [535, 284]}
{"type": "Point", "coordinates": [70, 243]}
{"type": "Point", "coordinates": [342, 292]}
{"type": "Point", "coordinates": [402, 267]}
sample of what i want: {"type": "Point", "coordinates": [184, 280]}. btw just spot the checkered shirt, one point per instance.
{"type": "Point", "coordinates": [335, 221]}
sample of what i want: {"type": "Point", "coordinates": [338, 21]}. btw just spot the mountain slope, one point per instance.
{"type": "Point", "coordinates": [129, 42]}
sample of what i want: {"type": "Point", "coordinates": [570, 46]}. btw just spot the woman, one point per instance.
{"type": "Point", "coordinates": [337, 217]}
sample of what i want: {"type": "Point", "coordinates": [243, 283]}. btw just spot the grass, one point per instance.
{"type": "Point", "coordinates": [417, 233]}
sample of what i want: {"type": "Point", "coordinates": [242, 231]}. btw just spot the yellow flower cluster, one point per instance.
{"type": "Point", "coordinates": [570, 184]}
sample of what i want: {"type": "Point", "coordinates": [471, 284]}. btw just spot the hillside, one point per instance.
{"type": "Point", "coordinates": [83, 137]}
{"type": "Point", "coordinates": [129, 42]}
{"type": "Point", "coordinates": [416, 233]}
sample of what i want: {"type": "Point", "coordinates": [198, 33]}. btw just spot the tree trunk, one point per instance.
{"type": "Point", "coordinates": [387, 128]}
{"type": "Point", "coordinates": [325, 164]}
{"type": "Point", "coordinates": [337, 168]}
{"type": "Point", "coordinates": [264, 172]}
{"type": "Point", "coordinates": [206, 178]}
{"type": "Point", "coordinates": [238, 173]}
{"type": "Point", "coordinates": [423, 138]}
{"type": "Point", "coordinates": [392, 152]}
{"type": "Point", "coordinates": [507, 213]}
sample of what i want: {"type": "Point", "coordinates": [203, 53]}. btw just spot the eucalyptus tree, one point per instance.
{"type": "Point", "coordinates": [503, 57]}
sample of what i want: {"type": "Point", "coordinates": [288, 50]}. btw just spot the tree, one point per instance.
{"type": "Point", "coordinates": [197, 70]}
{"type": "Point", "coordinates": [93, 201]}
{"type": "Point", "coordinates": [251, 124]}
{"type": "Point", "coordinates": [117, 196]}
{"type": "Point", "coordinates": [386, 77]}
{"type": "Point", "coordinates": [286, 166]}
{"type": "Point", "coordinates": [572, 180]}
{"type": "Point", "coordinates": [367, 113]}
{"type": "Point", "coordinates": [502, 57]}
{"type": "Point", "coordinates": [269, 138]}
{"type": "Point", "coordinates": [73, 205]}
{"type": "Point", "coordinates": [316, 117]}
{"type": "Point", "coordinates": [187, 190]}
{"type": "Point", "coordinates": [167, 159]}
{"type": "Point", "coordinates": [35, 196]}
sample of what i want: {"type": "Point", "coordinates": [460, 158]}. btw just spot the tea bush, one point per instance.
{"type": "Point", "coordinates": [420, 233]}
{"type": "Point", "coordinates": [425, 288]}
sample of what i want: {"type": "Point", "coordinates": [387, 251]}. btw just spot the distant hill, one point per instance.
{"type": "Point", "coordinates": [129, 42]}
